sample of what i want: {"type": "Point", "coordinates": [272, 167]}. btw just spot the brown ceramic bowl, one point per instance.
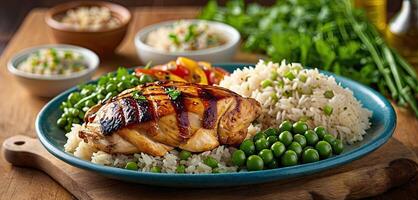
{"type": "Point", "coordinates": [103, 41]}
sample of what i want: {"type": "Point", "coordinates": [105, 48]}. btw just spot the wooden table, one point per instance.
{"type": "Point", "coordinates": [19, 108]}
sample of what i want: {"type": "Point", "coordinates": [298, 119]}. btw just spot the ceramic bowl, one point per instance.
{"type": "Point", "coordinates": [223, 53]}
{"type": "Point", "coordinates": [102, 41]}
{"type": "Point", "coordinates": [383, 122]}
{"type": "Point", "coordinates": [49, 86]}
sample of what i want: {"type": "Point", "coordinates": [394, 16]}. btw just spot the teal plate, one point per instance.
{"type": "Point", "coordinates": [383, 124]}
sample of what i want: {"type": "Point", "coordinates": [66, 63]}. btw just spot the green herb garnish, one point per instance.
{"type": "Point", "coordinates": [148, 65]}
{"type": "Point", "coordinates": [173, 93]}
{"type": "Point", "coordinates": [138, 95]}
{"type": "Point", "coordinates": [191, 32]}
{"type": "Point", "coordinates": [329, 94]}
{"type": "Point", "coordinates": [173, 37]}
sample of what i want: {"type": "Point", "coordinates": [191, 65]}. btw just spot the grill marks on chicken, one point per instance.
{"type": "Point", "coordinates": [198, 119]}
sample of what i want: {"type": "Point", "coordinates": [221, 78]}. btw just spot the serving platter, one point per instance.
{"type": "Point", "coordinates": [383, 124]}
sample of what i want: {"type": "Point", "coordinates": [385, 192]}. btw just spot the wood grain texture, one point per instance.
{"type": "Point", "coordinates": [369, 176]}
{"type": "Point", "coordinates": [19, 109]}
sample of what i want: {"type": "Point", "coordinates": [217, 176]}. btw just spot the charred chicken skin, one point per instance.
{"type": "Point", "coordinates": [157, 117]}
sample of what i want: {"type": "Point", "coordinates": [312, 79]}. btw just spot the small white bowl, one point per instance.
{"type": "Point", "coordinates": [223, 53]}
{"type": "Point", "coordinates": [51, 85]}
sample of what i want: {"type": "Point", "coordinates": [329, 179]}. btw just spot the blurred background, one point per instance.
{"type": "Point", "coordinates": [12, 12]}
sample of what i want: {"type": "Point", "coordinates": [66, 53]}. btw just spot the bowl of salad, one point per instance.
{"type": "Point", "coordinates": [48, 70]}
{"type": "Point", "coordinates": [196, 39]}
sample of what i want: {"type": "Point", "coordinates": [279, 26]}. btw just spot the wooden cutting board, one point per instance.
{"type": "Point", "coordinates": [369, 176]}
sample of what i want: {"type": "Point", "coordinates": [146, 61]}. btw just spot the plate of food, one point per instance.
{"type": "Point", "coordinates": [191, 124]}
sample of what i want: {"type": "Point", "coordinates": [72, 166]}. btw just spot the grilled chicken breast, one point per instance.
{"type": "Point", "coordinates": [157, 117]}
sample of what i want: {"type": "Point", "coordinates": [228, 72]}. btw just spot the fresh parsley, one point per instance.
{"type": "Point", "coordinates": [138, 96]}
{"type": "Point", "coordinates": [173, 37]}
{"type": "Point", "coordinates": [173, 93]}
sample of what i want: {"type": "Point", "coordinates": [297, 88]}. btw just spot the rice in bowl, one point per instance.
{"type": "Point", "coordinates": [290, 92]}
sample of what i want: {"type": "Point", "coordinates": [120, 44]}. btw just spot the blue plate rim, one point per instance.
{"type": "Point", "coordinates": [292, 171]}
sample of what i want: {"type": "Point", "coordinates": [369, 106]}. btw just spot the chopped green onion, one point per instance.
{"type": "Point", "coordinates": [289, 75]}
{"type": "Point", "coordinates": [274, 75]}
{"type": "Point", "coordinates": [173, 37]}
{"type": "Point", "coordinates": [190, 33]}
{"type": "Point", "coordinates": [329, 94]}
{"type": "Point", "coordinates": [274, 97]}
{"type": "Point", "coordinates": [328, 110]}
{"type": "Point", "coordinates": [266, 83]}
{"type": "Point", "coordinates": [303, 78]}
{"type": "Point", "coordinates": [173, 93]}
{"type": "Point", "coordinates": [148, 65]}
{"type": "Point", "coordinates": [131, 166]}
{"type": "Point", "coordinates": [138, 96]}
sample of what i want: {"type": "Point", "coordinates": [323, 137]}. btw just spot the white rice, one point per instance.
{"type": "Point", "coordinates": [301, 100]}
{"type": "Point", "coordinates": [168, 163]}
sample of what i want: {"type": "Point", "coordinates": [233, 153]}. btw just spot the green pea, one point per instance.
{"type": "Point", "coordinates": [289, 158]}
{"type": "Point", "coordinates": [266, 155]}
{"type": "Point", "coordinates": [74, 97]}
{"type": "Point", "coordinates": [310, 155]}
{"type": "Point", "coordinates": [70, 120]}
{"type": "Point", "coordinates": [296, 147]}
{"type": "Point", "coordinates": [299, 127]}
{"type": "Point", "coordinates": [259, 135]}
{"type": "Point", "coordinates": [100, 96]}
{"type": "Point", "coordinates": [271, 132]}
{"type": "Point", "coordinates": [329, 138]}
{"type": "Point", "coordinates": [131, 166]}
{"type": "Point", "coordinates": [74, 112]}
{"type": "Point", "coordinates": [76, 120]}
{"type": "Point", "coordinates": [311, 137]}
{"type": "Point", "coordinates": [328, 110]}
{"type": "Point", "coordinates": [155, 169]}
{"type": "Point", "coordinates": [238, 158]}
{"type": "Point", "coordinates": [337, 146]}
{"type": "Point", "coordinates": [261, 144]}
{"type": "Point", "coordinates": [181, 169]}
{"type": "Point", "coordinates": [79, 106]}
{"type": "Point", "coordinates": [111, 87]}
{"type": "Point", "coordinates": [273, 164]}
{"type": "Point", "coordinates": [300, 139]}
{"type": "Point", "coordinates": [320, 131]}
{"type": "Point", "coordinates": [266, 83]}
{"type": "Point", "coordinates": [145, 79]}
{"type": "Point", "coordinates": [102, 91]}
{"type": "Point", "coordinates": [184, 155]}
{"type": "Point", "coordinates": [81, 115]}
{"type": "Point", "coordinates": [308, 147]}
{"type": "Point", "coordinates": [324, 149]}
{"type": "Point", "coordinates": [85, 92]}
{"type": "Point", "coordinates": [68, 127]}
{"type": "Point", "coordinates": [278, 149]}
{"type": "Point", "coordinates": [271, 140]}
{"type": "Point", "coordinates": [85, 109]}
{"type": "Point", "coordinates": [121, 86]}
{"type": "Point", "coordinates": [248, 147]}
{"type": "Point", "coordinates": [286, 138]}
{"type": "Point", "coordinates": [255, 163]}
{"type": "Point", "coordinates": [89, 103]}
{"type": "Point", "coordinates": [211, 162]}
{"type": "Point", "coordinates": [62, 122]}
{"type": "Point", "coordinates": [285, 126]}
{"type": "Point", "coordinates": [134, 82]}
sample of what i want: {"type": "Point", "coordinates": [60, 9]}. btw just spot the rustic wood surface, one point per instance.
{"type": "Point", "coordinates": [19, 108]}
{"type": "Point", "coordinates": [366, 177]}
